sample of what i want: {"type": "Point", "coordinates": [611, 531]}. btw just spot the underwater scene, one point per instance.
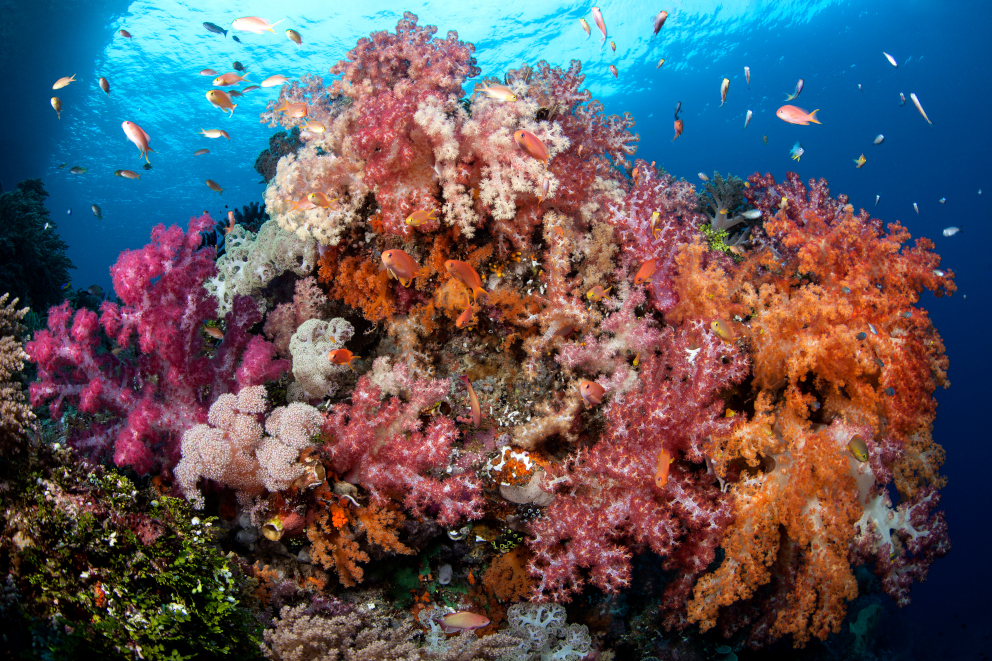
{"type": "Point", "coordinates": [547, 332]}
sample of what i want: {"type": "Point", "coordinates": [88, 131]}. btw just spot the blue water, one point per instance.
{"type": "Point", "coordinates": [943, 53]}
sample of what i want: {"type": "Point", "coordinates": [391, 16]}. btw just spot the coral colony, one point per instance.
{"type": "Point", "coordinates": [742, 411]}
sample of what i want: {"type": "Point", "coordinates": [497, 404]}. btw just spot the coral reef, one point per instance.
{"type": "Point", "coordinates": [35, 266]}
{"type": "Point", "coordinates": [509, 362]}
{"type": "Point", "coordinates": [16, 415]}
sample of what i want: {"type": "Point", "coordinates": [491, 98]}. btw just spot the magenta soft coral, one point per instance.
{"type": "Point", "coordinates": [612, 504]}
{"type": "Point", "coordinates": [153, 398]}
{"type": "Point", "coordinates": [677, 224]}
{"type": "Point", "coordinates": [382, 445]}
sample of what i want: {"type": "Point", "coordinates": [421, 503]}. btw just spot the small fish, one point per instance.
{"type": "Point", "coordinates": [302, 204]}
{"type": "Point", "coordinates": [220, 99]}
{"type": "Point", "coordinates": [65, 164]}
{"type": "Point", "coordinates": [64, 286]}
{"type": "Point", "coordinates": [400, 265]}
{"type": "Point", "coordinates": [57, 104]}
{"type": "Point", "coordinates": [916, 102]}
{"type": "Point", "coordinates": [702, 176]}
{"type": "Point", "coordinates": [47, 225]}
{"type": "Point", "coordinates": [214, 186]}
{"type": "Point", "coordinates": [747, 118]}
{"type": "Point", "coordinates": [215, 133]}
{"type": "Point", "coordinates": [724, 86]}
{"type": "Point", "coordinates": [678, 109]}
{"type": "Point", "coordinates": [860, 161]}
{"type": "Point", "coordinates": [747, 76]}
{"type": "Point", "coordinates": [216, 29]}
{"type": "Point", "coordinates": [877, 198]}
{"type": "Point", "coordinates": [659, 21]}
{"type": "Point", "coordinates": [614, 71]}
{"type": "Point", "coordinates": [95, 208]}
{"type": "Point", "coordinates": [943, 200]}
{"type": "Point", "coordinates": [231, 222]}
{"type": "Point", "coordinates": [613, 45]}
{"type": "Point", "coordinates": [890, 391]}
{"type": "Point", "coordinates": [858, 448]}
{"type": "Point", "coordinates": [418, 218]}
{"type": "Point", "coordinates": [879, 139]}
{"type": "Point", "coordinates": [232, 78]}
{"type": "Point", "coordinates": [466, 317]}
{"type": "Point", "coordinates": [860, 89]}
{"type": "Point", "coordinates": [545, 186]}
{"type": "Point", "coordinates": [213, 332]}
{"type": "Point", "coordinates": [794, 115]}
{"type": "Point", "coordinates": [765, 139]}
{"type": "Point", "coordinates": [902, 99]}
{"type": "Point", "coordinates": [951, 231]}
{"type": "Point", "coordinates": [874, 331]}
{"type": "Point", "coordinates": [62, 82]}
{"type": "Point", "coordinates": [597, 293]}
{"type": "Point", "coordinates": [272, 81]}
{"type": "Point", "coordinates": [477, 421]}
{"type": "Point", "coordinates": [127, 174]}
{"type": "Point", "coordinates": [891, 59]}
{"type": "Point", "coordinates": [295, 37]}
{"type": "Point", "coordinates": [592, 393]}
{"type": "Point", "coordinates": [797, 151]}
{"type": "Point", "coordinates": [146, 166]}
{"type": "Point", "coordinates": [783, 203]}
{"type": "Point", "coordinates": [463, 620]}
{"type": "Point", "coordinates": [645, 272]}
{"type": "Point", "coordinates": [585, 26]}
{"type": "Point", "coordinates": [254, 24]}
{"type": "Point", "coordinates": [138, 136]}
{"type": "Point", "coordinates": [861, 336]}
{"type": "Point", "coordinates": [465, 274]}
{"type": "Point", "coordinates": [678, 129]}
{"type": "Point", "coordinates": [201, 152]}
{"type": "Point", "coordinates": [661, 472]}
{"type": "Point", "coordinates": [235, 37]}
{"type": "Point", "coordinates": [499, 92]}
{"type": "Point", "coordinates": [845, 290]}
{"type": "Point", "coordinates": [916, 209]}
{"type": "Point", "coordinates": [752, 214]}
{"type": "Point", "coordinates": [249, 88]}
{"type": "Point", "coordinates": [237, 66]}
{"type": "Point", "coordinates": [799, 89]}
{"type": "Point", "coordinates": [125, 34]}
{"type": "Point", "coordinates": [722, 330]}
{"type": "Point", "coordinates": [597, 17]}
{"type": "Point", "coordinates": [343, 357]}
{"type": "Point", "coordinates": [207, 72]}
{"type": "Point", "coordinates": [104, 85]}
{"type": "Point", "coordinates": [939, 273]}
{"type": "Point", "coordinates": [78, 170]}
{"type": "Point", "coordinates": [660, 62]}
{"type": "Point", "coordinates": [531, 145]}
{"type": "Point", "coordinates": [319, 199]}
{"type": "Point", "coordinates": [314, 126]}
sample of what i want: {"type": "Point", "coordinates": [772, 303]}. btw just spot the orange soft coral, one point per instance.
{"type": "Point", "coordinates": [362, 284]}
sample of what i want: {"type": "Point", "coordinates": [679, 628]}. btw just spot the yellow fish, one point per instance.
{"type": "Point", "coordinates": [220, 99]}
{"type": "Point", "coordinates": [214, 186]}
{"type": "Point", "coordinates": [858, 448]}
{"type": "Point", "coordinates": [62, 82]}
{"type": "Point", "coordinates": [860, 161]}
{"type": "Point", "coordinates": [418, 218]}
{"type": "Point", "coordinates": [597, 293]}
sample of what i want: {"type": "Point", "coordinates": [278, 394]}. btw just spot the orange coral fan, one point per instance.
{"type": "Point", "coordinates": [336, 549]}
{"type": "Point", "coordinates": [361, 284]}
{"type": "Point", "coordinates": [380, 524]}
{"type": "Point", "coordinates": [507, 578]}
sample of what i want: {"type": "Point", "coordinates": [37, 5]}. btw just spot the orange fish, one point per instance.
{"type": "Point", "coordinates": [597, 293]}
{"type": "Point", "coordinates": [136, 135]}
{"type": "Point", "coordinates": [62, 82]}
{"type": "Point", "coordinates": [597, 17]}
{"type": "Point", "coordinates": [795, 115]}
{"type": "Point", "coordinates": [400, 266]}
{"type": "Point", "coordinates": [463, 621]}
{"type": "Point", "coordinates": [214, 332]}
{"type": "Point", "coordinates": [592, 393]}
{"type": "Point", "coordinates": [295, 110]}
{"type": "Point", "coordinates": [302, 204]}
{"type": "Point", "coordinates": [645, 272]}
{"type": "Point", "coordinates": [318, 199]}
{"type": "Point", "coordinates": [418, 218]}
{"type": "Point", "coordinates": [532, 145]}
{"type": "Point", "coordinates": [678, 129]}
{"type": "Point", "coordinates": [343, 357]}
{"type": "Point", "coordinates": [465, 318]}
{"type": "Point", "coordinates": [231, 78]}
{"type": "Point", "coordinates": [465, 274]}
{"type": "Point", "coordinates": [231, 222]}
{"type": "Point", "coordinates": [220, 99]}
{"type": "Point", "coordinates": [614, 71]}
{"type": "Point", "coordinates": [476, 420]}
{"type": "Point", "coordinates": [272, 81]}
{"type": "Point", "coordinates": [214, 186]}
{"type": "Point", "coordinates": [661, 474]}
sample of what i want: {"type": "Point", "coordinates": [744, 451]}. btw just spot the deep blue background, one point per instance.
{"type": "Point", "coordinates": [943, 53]}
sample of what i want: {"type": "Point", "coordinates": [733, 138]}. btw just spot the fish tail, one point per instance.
{"type": "Point", "coordinates": [789, 97]}
{"type": "Point", "coordinates": [480, 292]}
{"type": "Point", "coordinates": [813, 119]}
{"type": "Point", "coordinates": [225, 33]}
{"type": "Point", "coordinates": [275, 24]}
{"type": "Point", "coordinates": [352, 361]}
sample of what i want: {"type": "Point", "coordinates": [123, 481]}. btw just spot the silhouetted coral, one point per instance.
{"type": "Point", "coordinates": [280, 144]}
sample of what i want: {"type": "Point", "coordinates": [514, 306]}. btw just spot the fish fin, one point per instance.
{"type": "Point", "coordinates": [275, 24]}
{"type": "Point", "coordinates": [479, 291]}
{"type": "Point", "coordinates": [225, 33]}
{"type": "Point", "coordinates": [814, 119]}
{"type": "Point", "coordinates": [789, 97]}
